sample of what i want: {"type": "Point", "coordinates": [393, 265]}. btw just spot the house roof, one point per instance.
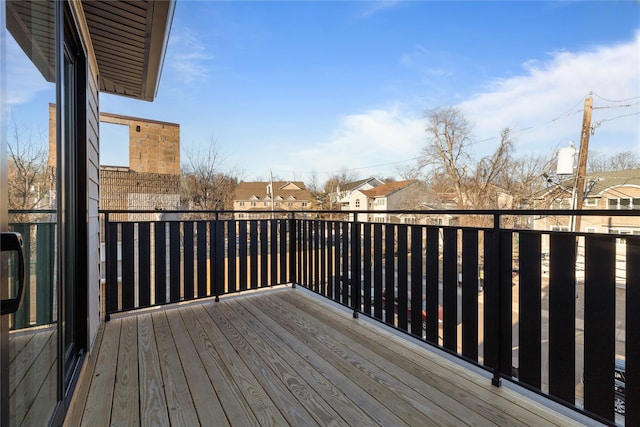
{"type": "Point", "coordinates": [597, 182]}
{"type": "Point", "coordinates": [288, 190]}
{"type": "Point", "coordinates": [129, 39]}
{"type": "Point", "coordinates": [351, 186]}
{"type": "Point", "coordinates": [389, 188]}
{"type": "Point", "coordinates": [605, 180]}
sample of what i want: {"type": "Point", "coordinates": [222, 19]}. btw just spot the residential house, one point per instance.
{"type": "Point", "coordinates": [613, 190]}
{"type": "Point", "coordinates": [344, 197]}
{"type": "Point", "coordinates": [388, 197]}
{"type": "Point", "coordinates": [263, 199]}
{"type": "Point", "coordinates": [68, 52]}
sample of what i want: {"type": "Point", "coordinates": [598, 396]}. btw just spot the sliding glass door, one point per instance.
{"type": "Point", "coordinates": [42, 90]}
{"type": "Point", "coordinates": [29, 368]}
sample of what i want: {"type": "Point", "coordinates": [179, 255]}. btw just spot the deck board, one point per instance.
{"type": "Point", "coordinates": [126, 406]}
{"type": "Point", "coordinates": [205, 399]}
{"type": "Point", "coordinates": [404, 401]}
{"type": "Point", "coordinates": [472, 402]}
{"type": "Point", "coordinates": [230, 395]}
{"type": "Point", "coordinates": [176, 390]}
{"type": "Point", "coordinates": [258, 399]}
{"type": "Point", "coordinates": [97, 410]}
{"type": "Point", "coordinates": [292, 350]}
{"type": "Point", "coordinates": [284, 357]}
{"type": "Point", "coordinates": [153, 403]}
{"type": "Point", "coordinates": [286, 386]}
{"type": "Point", "coordinates": [351, 399]}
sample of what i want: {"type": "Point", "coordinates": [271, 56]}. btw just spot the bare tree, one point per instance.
{"type": "Point", "coordinates": [340, 179]}
{"type": "Point", "coordinates": [29, 181]}
{"type": "Point", "coordinates": [204, 183]}
{"type": "Point", "coordinates": [622, 160]}
{"type": "Point", "coordinates": [332, 188]}
{"type": "Point", "coordinates": [526, 177]}
{"type": "Point", "coordinates": [486, 189]}
{"type": "Point", "coordinates": [446, 152]}
{"type": "Point", "coordinates": [496, 181]}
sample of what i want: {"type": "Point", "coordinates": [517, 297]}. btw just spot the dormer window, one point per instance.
{"type": "Point", "coordinates": [357, 203]}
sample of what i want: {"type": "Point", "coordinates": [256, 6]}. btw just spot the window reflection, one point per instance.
{"type": "Point", "coordinates": [30, 76]}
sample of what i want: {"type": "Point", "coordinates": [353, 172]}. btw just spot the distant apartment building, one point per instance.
{"type": "Point", "coordinates": [614, 190]}
{"type": "Point", "coordinates": [254, 200]}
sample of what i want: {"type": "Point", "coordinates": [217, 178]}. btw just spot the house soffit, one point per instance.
{"type": "Point", "coordinates": [129, 39]}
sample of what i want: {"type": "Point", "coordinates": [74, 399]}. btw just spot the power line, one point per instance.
{"type": "Point", "coordinates": [599, 122]}
{"type": "Point", "coordinates": [570, 111]}
{"type": "Point", "coordinates": [611, 100]}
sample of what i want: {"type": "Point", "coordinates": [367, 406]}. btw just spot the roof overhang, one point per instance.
{"type": "Point", "coordinates": [130, 40]}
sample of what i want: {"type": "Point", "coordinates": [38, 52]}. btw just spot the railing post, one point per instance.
{"type": "Point", "coordinates": [107, 315]}
{"type": "Point", "coordinates": [292, 251]}
{"type": "Point", "coordinates": [356, 283]}
{"type": "Point", "coordinates": [497, 369]}
{"type": "Point", "coordinates": [217, 251]}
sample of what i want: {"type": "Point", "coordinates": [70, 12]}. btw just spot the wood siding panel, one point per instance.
{"type": "Point", "coordinates": [93, 186]}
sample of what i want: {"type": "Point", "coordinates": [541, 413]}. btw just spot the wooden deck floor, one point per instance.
{"type": "Point", "coordinates": [281, 357]}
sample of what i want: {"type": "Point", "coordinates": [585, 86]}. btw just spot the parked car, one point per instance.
{"type": "Point", "coordinates": [424, 308]}
{"type": "Point", "coordinates": [618, 400]}
{"type": "Point", "coordinates": [619, 374]}
{"type": "Point", "coordinates": [346, 281]}
{"type": "Point", "coordinates": [619, 386]}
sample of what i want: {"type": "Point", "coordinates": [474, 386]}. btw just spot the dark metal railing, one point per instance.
{"type": "Point", "coordinates": [538, 308]}
{"type": "Point", "coordinates": [177, 259]}
{"type": "Point", "coordinates": [38, 230]}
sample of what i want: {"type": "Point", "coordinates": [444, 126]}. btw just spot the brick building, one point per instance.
{"type": "Point", "coordinates": [152, 179]}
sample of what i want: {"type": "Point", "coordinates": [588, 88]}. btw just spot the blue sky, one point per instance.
{"type": "Point", "coordinates": [302, 87]}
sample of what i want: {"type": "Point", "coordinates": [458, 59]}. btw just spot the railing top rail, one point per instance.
{"type": "Point", "coordinates": [32, 211]}
{"type": "Point", "coordinates": [485, 212]}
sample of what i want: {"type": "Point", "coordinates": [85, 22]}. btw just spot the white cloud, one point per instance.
{"type": "Point", "coordinates": [543, 106]}
{"type": "Point", "coordinates": [547, 100]}
{"type": "Point", "coordinates": [373, 138]}
{"type": "Point", "coordinates": [189, 61]}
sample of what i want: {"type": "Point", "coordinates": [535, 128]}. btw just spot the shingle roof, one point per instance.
{"type": "Point", "coordinates": [350, 186]}
{"type": "Point", "coordinates": [601, 182]}
{"type": "Point", "coordinates": [388, 188]}
{"type": "Point", "coordinates": [284, 189]}
{"type": "Point", "coordinates": [606, 180]}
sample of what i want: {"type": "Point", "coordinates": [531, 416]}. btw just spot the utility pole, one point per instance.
{"type": "Point", "coordinates": [582, 159]}
{"type": "Point", "coordinates": [271, 194]}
